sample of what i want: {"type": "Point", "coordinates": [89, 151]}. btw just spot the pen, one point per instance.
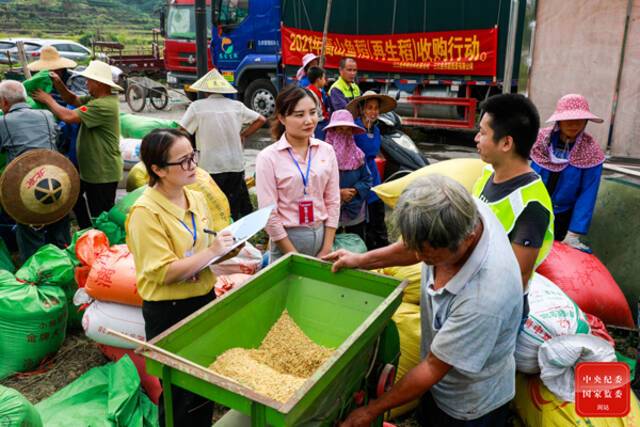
{"type": "Point", "coordinates": [213, 233]}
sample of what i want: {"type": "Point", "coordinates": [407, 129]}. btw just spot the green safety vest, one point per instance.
{"type": "Point", "coordinates": [350, 92]}
{"type": "Point", "coordinates": [508, 209]}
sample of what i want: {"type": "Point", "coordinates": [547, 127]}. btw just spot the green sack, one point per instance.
{"type": "Point", "coordinates": [40, 80]}
{"type": "Point", "coordinates": [133, 126]}
{"type": "Point", "coordinates": [114, 232]}
{"type": "Point", "coordinates": [108, 395]}
{"type": "Point", "coordinates": [33, 321]}
{"type": "Point", "coordinates": [119, 212]}
{"type": "Point", "coordinates": [16, 410]}
{"type": "Point", "coordinates": [50, 266]}
{"type": "Point", "coordinates": [6, 263]}
{"type": "Point", "coordinates": [349, 241]}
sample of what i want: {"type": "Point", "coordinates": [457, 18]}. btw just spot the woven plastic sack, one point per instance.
{"type": "Point", "coordinates": [134, 126]}
{"type": "Point", "coordinates": [113, 277]}
{"type": "Point", "coordinates": [40, 80]}
{"type": "Point", "coordinates": [90, 245]}
{"type": "Point", "coordinates": [536, 406]}
{"type": "Point", "coordinates": [587, 282]}
{"type": "Point", "coordinates": [106, 396]}
{"type": "Point", "coordinates": [102, 315]}
{"type": "Point", "coordinates": [349, 241]}
{"type": "Point", "coordinates": [407, 318]}
{"type": "Point", "coordinates": [248, 261]}
{"type": "Point", "coordinates": [412, 273]}
{"type": "Point", "coordinates": [130, 151]}
{"type": "Point", "coordinates": [114, 232]}
{"type": "Point", "coordinates": [118, 213]}
{"type": "Point", "coordinates": [559, 356]}
{"type": "Point", "coordinates": [551, 314]}
{"type": "Point", "coordinates": [216, 200]}
{"type": "Point", "coordinates": [465, 171]}
{"type": "Point", "coordinates": [16, 410]}
{"type": "Point", "coordinates": [5, 258]}
{"type": "Point", "coordinates": [150, 383]}
{"type": "Point", "coordinates": [52, 266]}
{"type": "Point", "coordinates": [33, 321]}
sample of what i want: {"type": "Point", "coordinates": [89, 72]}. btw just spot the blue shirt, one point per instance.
{"type": "Point", "coordinates": [360, 179]}
{"type": "Point", "coordinates": [576, 190]}
{"type": "Point", "coordinates": [369, 143]}
{"type": "Point", "coordinates": [24, 128]}
{"type": "Point", "coordinates": [472, 323]}
{"type": "Point", "coordinates": [304, 82]}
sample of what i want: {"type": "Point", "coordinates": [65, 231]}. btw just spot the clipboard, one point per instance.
{"type": "Point", "coordinates": [245, 228]}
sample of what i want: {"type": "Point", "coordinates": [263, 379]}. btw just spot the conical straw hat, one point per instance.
{"type": "Point", "coordinates": [213, 82]}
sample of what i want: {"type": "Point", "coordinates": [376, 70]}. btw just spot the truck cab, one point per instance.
{"type": "Point", "coordinates": [245, 48]}
{"type": "Point", "coordinates": [179, 28]}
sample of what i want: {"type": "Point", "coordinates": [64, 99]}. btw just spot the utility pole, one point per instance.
{"type": "Point", "coordinates": [201, 39]}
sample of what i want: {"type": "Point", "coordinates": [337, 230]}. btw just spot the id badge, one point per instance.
{"type": "Point", "coordinates": [305, 211]}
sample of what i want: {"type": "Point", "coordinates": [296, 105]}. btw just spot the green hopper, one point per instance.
{"type": "Point", "coordinates": [349, 311]}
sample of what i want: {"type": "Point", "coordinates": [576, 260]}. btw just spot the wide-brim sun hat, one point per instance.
{"type": "Point", "coordinates": [387, 103]}
{"type": "Point", "coordinates": [305, 61]}
{"type": "Point", "coordinates": [573, 107]}
{"type": "Point", "coordinates": [100, 72]}
{"type": "Point", "coordinates": [344, 118]}
{"type": "Point", "coordinates": [213, 82]}
{"type": "Point", "coordinates": [51, 60]}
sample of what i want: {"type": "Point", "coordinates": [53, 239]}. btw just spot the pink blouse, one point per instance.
{"type": "Point", "coordinates": [279, 182]}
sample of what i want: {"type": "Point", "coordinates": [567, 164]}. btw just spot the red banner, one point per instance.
{"type": "Point", "coordinates": [465, 52]}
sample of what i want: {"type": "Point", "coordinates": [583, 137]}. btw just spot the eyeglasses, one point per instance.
{"type": "Point", "coordinates": [185, 163]}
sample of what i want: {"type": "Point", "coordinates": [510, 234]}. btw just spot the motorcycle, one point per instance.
{"type": "Point", "coordinates": [400, 155]}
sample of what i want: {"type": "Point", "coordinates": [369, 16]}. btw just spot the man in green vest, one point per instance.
{"type": "Point", "coordinates": [345, 89]}
{"type": "Point", "coordinates": [514, 192]}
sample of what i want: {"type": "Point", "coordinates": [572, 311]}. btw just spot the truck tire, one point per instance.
{"type": "Point", "coordinates": [260, 96]}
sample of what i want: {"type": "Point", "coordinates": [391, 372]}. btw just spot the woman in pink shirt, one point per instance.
{"type": "Point", "coordinates": [299, 175]}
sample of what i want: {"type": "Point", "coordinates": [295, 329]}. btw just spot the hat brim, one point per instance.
{"type": "Point", "coordinates": [56, 64]}
{"type": "Point", "coordinates": [224, 90]}
{"type": "Point", "coordinates": [574, 115]}
{"type": "Point", "coordinates": [99, 79]}
{"type": "Point", "coordinates": [357, 130]}
{"type": "Point", "coordinates": [387, 103]}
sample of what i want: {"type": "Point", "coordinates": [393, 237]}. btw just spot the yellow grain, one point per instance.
{"type": "Point", "coordinates": [279, 367]}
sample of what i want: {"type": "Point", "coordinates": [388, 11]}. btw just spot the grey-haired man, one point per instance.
{"type": "Point", "coordinates": [470, 304]}
{"type": "Point", "coordinates": [22, 129]}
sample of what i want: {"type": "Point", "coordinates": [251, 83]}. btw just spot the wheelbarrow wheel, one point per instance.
{"type": "Point", "coordinates": [136, 97]}
{"type": "Point", "coordinates": [159, 98]}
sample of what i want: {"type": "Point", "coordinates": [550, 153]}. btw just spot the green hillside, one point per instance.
{"type": "Point", "coordinates": [126, 21]}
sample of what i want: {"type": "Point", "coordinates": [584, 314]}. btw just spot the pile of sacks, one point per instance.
{"type": "Point", "coordinates": [558, 334]}
{"type": "Point", "coordinates": [35, 311]}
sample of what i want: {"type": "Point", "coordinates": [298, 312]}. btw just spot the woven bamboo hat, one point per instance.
{"type": "Point", "coordinates": [213, 82]}
{"type": "Point", "coordinates": [387, 103]}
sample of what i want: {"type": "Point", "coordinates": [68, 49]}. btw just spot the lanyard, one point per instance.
{"type": "Point", "coordinates": [305, 178]}
{"type": "Point", "coordinates": [193, 233]}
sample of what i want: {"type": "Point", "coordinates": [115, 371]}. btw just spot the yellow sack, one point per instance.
{"type": "Point", "coordinates": [216, 200]}
{"type": "Point", "coordinates": [407, 319]}
{"type": "Point", "coordinates": [465, 171]}
{"type": "Point", "coordinates": [536, 406]}
{"type": "Point", "coordinates": [137, 177]}
{"type": "Point", "coordinates": [412, 273]}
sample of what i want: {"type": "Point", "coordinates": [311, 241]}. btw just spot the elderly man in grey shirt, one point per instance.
{"type": "Point", "coordinates": [471, 305]}
{"type": "Point", "coordinates": [22, 129]}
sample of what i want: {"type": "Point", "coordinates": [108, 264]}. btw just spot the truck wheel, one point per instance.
{"type": "Point", "coordinates": [260, 96]}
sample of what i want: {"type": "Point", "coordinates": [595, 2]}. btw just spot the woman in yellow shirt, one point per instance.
{"type": "Point", "coordinates": [165, 234]}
